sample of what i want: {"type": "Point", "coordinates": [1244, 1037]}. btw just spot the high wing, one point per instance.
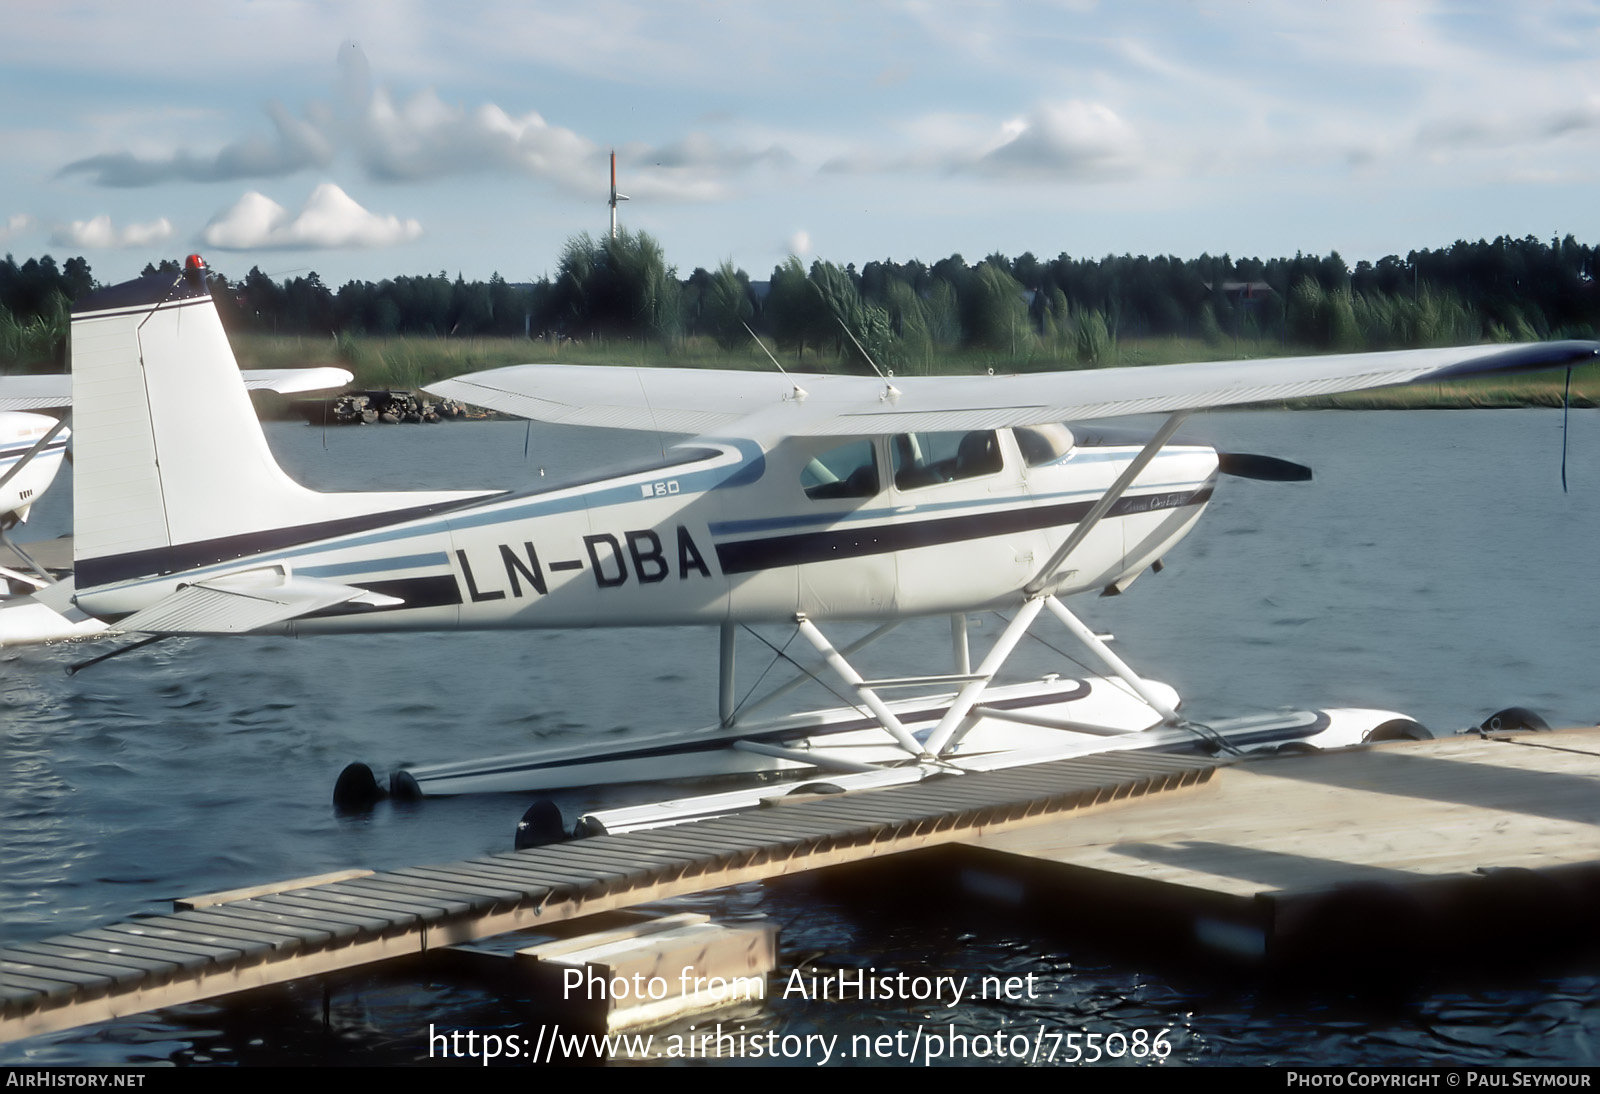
{"type": "Point", "coordinates": [708, 401]}
{"type": "Point", "coordinates": [49, 391]}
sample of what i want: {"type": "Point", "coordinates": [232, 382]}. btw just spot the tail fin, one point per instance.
{"type": "Point", "coordinates": [171, 468]}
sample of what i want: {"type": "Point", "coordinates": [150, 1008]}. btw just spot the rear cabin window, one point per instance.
{"type": "Point", "coordinates": [925, 459]}
{"type": "Point", "coordinates": [849, 471]}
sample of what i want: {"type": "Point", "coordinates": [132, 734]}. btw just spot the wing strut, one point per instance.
{"type": "Point", "coordinates": [946, 733]}
{"type": "Point", "coordinates": [1107, 500]}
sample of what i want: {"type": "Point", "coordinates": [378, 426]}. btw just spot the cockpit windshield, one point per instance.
{"type": "Point", "coordinates": [1042, 444]}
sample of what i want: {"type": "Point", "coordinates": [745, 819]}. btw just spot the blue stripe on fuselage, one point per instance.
{"type": "Point", "coordinates": [493, 510]}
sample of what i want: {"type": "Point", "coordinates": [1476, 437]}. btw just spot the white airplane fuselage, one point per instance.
{"type": "Point", "coordinates": [19, 432]}
{"type": "Point", "coordinates": [181, 508]}
{"type": "Point", "coordinates": [723, 531]}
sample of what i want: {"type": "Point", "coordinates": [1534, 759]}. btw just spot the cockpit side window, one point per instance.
{"type": "Point", "coordinates": [1042, 444]}
{"type": "Point", "coordinates": [924, 459]}
{"type": "Point", "coordinates": [849, 471]}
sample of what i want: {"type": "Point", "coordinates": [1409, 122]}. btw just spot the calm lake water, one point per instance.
{"type": "Point", "coordinates": [1434, 567]}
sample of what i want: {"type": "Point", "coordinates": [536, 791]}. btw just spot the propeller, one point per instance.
{"type": "Point", "coordinates": [1246, 465]}
{"type": "Point", "coordinates": [1243, 465]}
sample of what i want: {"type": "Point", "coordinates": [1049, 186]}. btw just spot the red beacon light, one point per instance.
{"type": "Point", "coordinates": [194, 272]}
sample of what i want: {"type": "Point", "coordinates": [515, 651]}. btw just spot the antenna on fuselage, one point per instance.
{"type": "Point", "coordinates": [889, 390]}
{"type": "Point", "coordinates": [799, 392]}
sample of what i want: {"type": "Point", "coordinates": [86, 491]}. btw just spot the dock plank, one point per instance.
{"type": "Point", "coordinates": [493, 881]}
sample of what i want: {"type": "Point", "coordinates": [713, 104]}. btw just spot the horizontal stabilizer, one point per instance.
{"type": "Point", "coordinates": [288, 381]}
{"type": "Point", "coordinates": [251, 601]}
{"type": "Point", "coordinates": [51, 391]}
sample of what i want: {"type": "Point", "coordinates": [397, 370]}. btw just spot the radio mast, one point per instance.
{"type": "Point", "coordinates": [615, 197]}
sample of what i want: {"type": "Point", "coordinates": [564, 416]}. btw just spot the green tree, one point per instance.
{"type": "Point", "coordinates": [843, 309]}
{"type": "Point", "coordinates": [994, 312]}
{"type": "Point", "coordinates": [619, 287]}
{"type": "Point", "coordinates": [794, 310]}
{"type": "Point", "coordinates": [1092, 340]}
{"type": "Point", "coordinates": [727, 307]}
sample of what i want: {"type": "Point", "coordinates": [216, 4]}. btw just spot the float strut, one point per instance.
{"type": "Point", "coordinates": [958, 644]}
{"type": "Point", "coordinates": [879, 709]}
{"type": "Point", "coordinates": [1111, 660]}
{"type": "Point", "coordinates": [944, 732]}
{"type": "Point", "coordinates": [805, 677]}
{"type": "Point", "coordinates": [725, 710]}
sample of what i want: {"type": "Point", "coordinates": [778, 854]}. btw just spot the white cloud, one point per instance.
{"type": "Point", "coordinates": [15, 225]}
{"type": "Point", "coordinates": [1500, 129]}
{"type": "Point", "coordinates": [958, 119]}
{"type": "Point", "coordinates": [800, 243]}
{"type": "Point", "coordinates": [329, 218]}
{"type": "Point", "coordinates": [1070, 140]}
{"type": "Point", "coordinates": [100, 233]}
{"type": "Point", "coordinates": [423, 137]}
{"type": "Point", "coordinates": [299, 143]}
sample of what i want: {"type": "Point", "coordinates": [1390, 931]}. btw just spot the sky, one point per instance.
{"type": "Point", "coordinates": [365, 140]}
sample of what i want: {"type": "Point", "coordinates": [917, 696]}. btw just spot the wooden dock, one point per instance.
{"type": "Point", "coordinates": [1287, 855]}
{"type": "Point", "coordinates": [232, 941]}
{"type": "Point", "coordinates": [1386, 847]}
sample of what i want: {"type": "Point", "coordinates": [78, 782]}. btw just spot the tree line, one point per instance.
{"type": "Point", "coordinates": [909, 315]}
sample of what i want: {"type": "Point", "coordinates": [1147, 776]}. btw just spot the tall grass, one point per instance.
{"type": "Point", "coordinates": [35, 345]}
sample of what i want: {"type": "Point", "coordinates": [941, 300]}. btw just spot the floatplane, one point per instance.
{"type": "Point", "coordinates": [801, 501]}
